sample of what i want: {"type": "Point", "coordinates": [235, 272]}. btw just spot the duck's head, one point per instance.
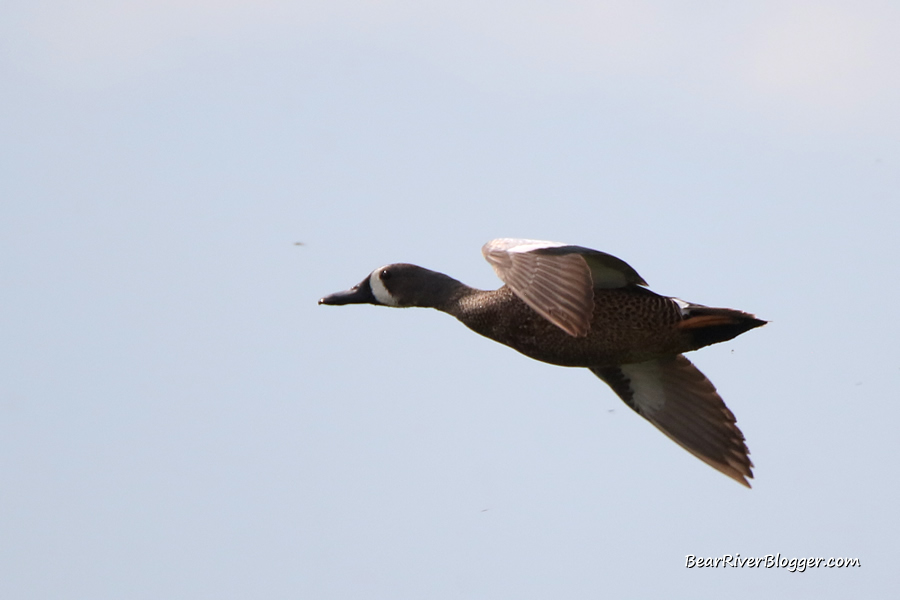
{"type": "Point", "coordinates": [398, 285]}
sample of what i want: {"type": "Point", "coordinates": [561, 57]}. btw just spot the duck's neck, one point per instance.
{"type": "Point", "coordinates": [446, 297]}
{"type": "Point", "coordinates": [465, 302]}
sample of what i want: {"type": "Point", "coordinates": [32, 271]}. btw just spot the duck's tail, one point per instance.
{"type": "Point", "coordinates": [713, 325]}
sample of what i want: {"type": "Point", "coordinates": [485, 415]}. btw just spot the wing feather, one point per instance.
{"type": "Point", "coordinates": [681, 402]}
{"type": "Point", "coordinates": [558, 280]}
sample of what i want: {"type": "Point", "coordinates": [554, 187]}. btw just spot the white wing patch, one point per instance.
{"type": "Point", "coordinates": [514, 245]}
{"type": "Point", "coordinates": [647, 386]}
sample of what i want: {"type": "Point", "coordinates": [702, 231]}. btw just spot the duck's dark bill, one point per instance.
{"type": "Point", "coordinates": [358, 294]}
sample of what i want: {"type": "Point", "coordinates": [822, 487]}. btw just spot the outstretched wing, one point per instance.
{"type": "Point", "coordinates": [558, 280]}
{"type": "Point", "coordinates": [681, 402]}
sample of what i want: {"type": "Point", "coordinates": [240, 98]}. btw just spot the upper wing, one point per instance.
{"type": "Point", "coordinates": [681, 402]}
{"type": "Point", "coordinates": [558, 280]}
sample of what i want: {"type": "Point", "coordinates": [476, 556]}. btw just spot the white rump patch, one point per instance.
{"type": "Point", "coordinates": [381, 293]}
{"type": "Point", "coordinates": [682, 305]}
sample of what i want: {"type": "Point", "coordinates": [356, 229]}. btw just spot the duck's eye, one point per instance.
{"type": "Point", "coordinates": [385, 274]}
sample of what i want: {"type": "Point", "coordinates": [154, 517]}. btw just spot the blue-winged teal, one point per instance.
{"type": "Point", "coordinates": [576, 307]}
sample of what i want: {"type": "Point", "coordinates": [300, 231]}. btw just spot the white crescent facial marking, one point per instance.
{"type": "Point", "coordinates": [378, 290]}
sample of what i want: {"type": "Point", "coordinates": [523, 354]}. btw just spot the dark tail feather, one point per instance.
{"type": "Point", "coordinates": [713, 325]}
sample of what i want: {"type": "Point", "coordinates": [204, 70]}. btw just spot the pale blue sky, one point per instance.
{"type": "Point", "coordinates": [179, 419]}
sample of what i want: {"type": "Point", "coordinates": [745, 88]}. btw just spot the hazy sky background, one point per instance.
{"type": "Point", "coordinates": [179, 419]}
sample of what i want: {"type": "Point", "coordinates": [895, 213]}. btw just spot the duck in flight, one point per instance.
{"type": "Point", "coordinates": [576, 307]}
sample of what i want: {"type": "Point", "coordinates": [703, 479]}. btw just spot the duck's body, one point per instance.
{"type": "Point", "coordinates": [628, 325]}
{"type": "Point", "coordinates": [576, 307]}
